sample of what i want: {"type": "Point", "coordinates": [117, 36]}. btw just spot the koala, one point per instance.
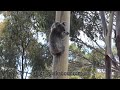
{"type": "Point", "coordinates": [56, 38]}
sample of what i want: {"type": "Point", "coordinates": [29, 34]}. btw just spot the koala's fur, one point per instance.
{"type": "Point", "coordinates": [56, 38]}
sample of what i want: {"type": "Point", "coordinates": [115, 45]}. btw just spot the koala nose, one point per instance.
{"type": "Point", "coordinates": [67, 33]}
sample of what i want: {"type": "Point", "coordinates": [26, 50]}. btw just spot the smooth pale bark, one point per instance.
{"type": "Point", "coordinates": [103, 22]}
{"type": "Point", "coordinates": [60, 64]}
{"type": "Point", "coordinates": [107, 34]}
{"type": "Point", "coordinates": [108, 37]}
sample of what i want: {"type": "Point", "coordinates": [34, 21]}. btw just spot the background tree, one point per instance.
{"type": "Point", "coordinates": [21, 33]}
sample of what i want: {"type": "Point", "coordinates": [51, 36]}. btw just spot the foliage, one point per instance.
{"type": "Point", "coordinates": [19, 38]}
{"type": "Point", "coordinates": [21, 34]}
{"type": "Point", "coordinates": [74, 77]}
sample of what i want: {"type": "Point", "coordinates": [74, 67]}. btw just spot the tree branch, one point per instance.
{"type": "Point", "coordinates": [89, 46]}
{"type": "Point", "coordinates": [104, 22]}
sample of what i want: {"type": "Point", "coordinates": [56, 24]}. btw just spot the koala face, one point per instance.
{"type": "Point", "coordinates": [58, 27]}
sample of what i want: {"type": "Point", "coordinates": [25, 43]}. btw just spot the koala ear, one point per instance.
{"type": "Point", "coordinates": [63, 23]}
{"type": "Point", "coordinates": [54, 24]}
{"type": "Point", "coordinates": [57, 23]}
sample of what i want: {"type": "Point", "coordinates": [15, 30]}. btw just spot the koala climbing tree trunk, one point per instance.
{"type": "Point", "coordinates": [60, 63]}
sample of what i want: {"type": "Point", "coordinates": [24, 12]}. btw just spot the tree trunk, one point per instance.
{"type": "Point", "coordinates": [118, 33]}
{"type": "Point", "coordinates": [107, 34]}
{"type": "Point", "coordinates": [60, 64]}
{"type": "Point", "coordinates": [108, 67]}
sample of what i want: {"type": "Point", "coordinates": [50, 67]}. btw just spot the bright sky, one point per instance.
{"type": "Point", "coordinates": [1, 17]}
